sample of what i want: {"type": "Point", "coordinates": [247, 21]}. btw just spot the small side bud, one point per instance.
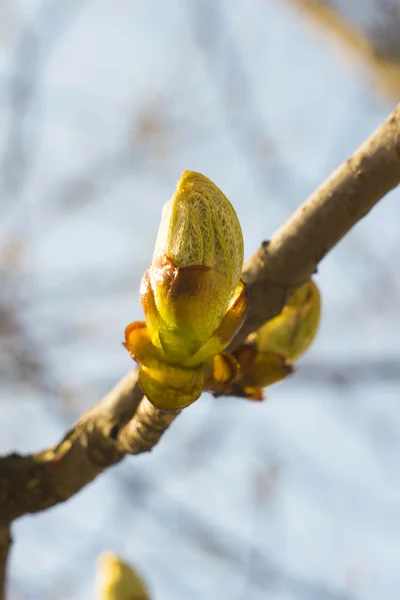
{"type": "Point", "coordinates": [292, 332]}
{"type": "Point", "coordinates": [268, 354]}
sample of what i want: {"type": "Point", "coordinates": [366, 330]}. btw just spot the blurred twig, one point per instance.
{"type": "Point", "coordinates": [222, 544]}
{"type": "Point", "coordinates": [263, 153]}
{"type": "Point", "coordinates": [21, 358]}
{"type": "Point", "coordinates": [385, 66]}
{"type": "Point", "coordinates": [33, 48]}
{"type": "Point", "coordinates": [349, 372]}
{"type": "Point", "coordinates": [384, 32]}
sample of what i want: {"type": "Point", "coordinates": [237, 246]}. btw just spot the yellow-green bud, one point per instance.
{"type": "Point", "coordinates": [195, 270]}
{"type": "Point", "coordinates": [294, 329]}
{"type": "Point", "coordinates": [192, 296]}
{"type": "Point", "coordinates": [199, 227]}
{"type": "Point", "coordinates": [267, 355]}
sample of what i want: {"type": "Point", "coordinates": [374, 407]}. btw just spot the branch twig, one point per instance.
{"type": "Point", "coordinates": [102, 436]}
{"type": "Point", "coordinates": [32, 483]}
{"type": "Point", "coordinates": [143, 432]}
{"type": "Point", "coordinates": [5, 545]}
{"type": "Point", "coordinates": [292, 255]}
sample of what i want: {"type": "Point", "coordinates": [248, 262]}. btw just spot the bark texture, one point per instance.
{"type": "Point", "coordinates": [125, 422]}
{"type": "Point", "coordinates": [5, 545]}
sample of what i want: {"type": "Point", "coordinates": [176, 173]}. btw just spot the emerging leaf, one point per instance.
{"type": "Point", "coordinates": [294, 329]}
{"type": "Point", "coordinates": [167, 386]}
{"type": "Point", "coordinates": [199, 227]}
{"type": "Point", "coordinates": [260, 368]}
{"type": "Point", "coordinates": [267, 355]}
{"type": "Point", "coordinates": [220, 373]}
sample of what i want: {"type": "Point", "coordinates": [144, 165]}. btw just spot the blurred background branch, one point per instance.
{"type": "Point", "coordinates": [378, 49]}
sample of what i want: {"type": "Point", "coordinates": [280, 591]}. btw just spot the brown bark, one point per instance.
{"type": "Point", "coordinates": [35, 482]}
{"type": "Point", "coordinates": [293, 253]}
{"type": "Point", "coordinates": [143, 432]}
{"type": "Point", "coordinates": [5, 545]}
{"type": "Point", "coordinates": [101, 437]}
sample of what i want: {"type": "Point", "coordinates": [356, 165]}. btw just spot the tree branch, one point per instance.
{"type": "Point", "coordinates": [5, 545]}
{"type": "Point", "coordinates": [143, 432]}
{"type": "Point", "coordinates": [32, 483]}
{"type": "Point", "coordinates": [292, 255]}
{"type": "Point", "coordinates": [101, 437]}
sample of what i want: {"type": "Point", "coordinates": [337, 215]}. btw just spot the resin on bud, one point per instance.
{"type": "Point", "coordinates": [116, 580]}
{"type": "Point", "coordinates": [192, 296]}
